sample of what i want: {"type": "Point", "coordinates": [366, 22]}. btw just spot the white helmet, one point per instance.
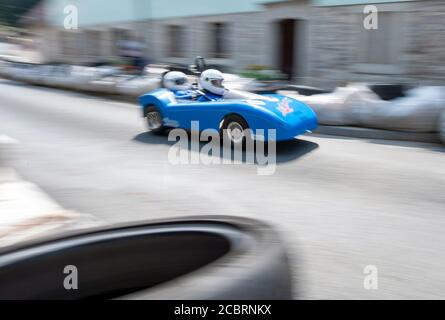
{"type": "Point", "coordinates": [212, 80]}
{"type": "Point", "coordinates": [176, 80]}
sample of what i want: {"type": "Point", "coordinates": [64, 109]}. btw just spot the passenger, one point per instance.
{"type": "Point", "coordinates": [178, 83]}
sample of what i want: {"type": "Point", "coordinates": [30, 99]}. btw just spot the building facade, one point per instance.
{"type": "Point", "coordinates": [318, 42]}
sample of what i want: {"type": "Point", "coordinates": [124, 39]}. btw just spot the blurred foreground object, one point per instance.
{"type": "Point", "coordinates": [184, 258]}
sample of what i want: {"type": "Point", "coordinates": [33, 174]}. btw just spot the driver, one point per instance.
{"type": "Point", "coordinates": [178, 83]}
{"type": "Point", "coordinates": [211, 82]}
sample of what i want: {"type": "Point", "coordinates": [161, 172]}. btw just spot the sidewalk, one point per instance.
{"type": "Point", "coordinates": [26, 211]}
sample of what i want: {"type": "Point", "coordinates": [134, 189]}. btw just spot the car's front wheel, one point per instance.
{"type": "Point", "coordinates": [235, 130]}
{"type": "Point", "coordinates": [153, 119]}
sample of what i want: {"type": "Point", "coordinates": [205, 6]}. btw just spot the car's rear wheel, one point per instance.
{"type": "Point", "coordinates": [235, 130]}
{"type": "Point", "coordinates": [153, 119]}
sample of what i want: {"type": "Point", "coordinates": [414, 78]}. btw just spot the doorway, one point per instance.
{"type": "Point", "coordinates": [288, 38]}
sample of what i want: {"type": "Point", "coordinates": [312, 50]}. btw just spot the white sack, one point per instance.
{"type": "Point", "coordinates": [138, 86]}
{"type": "Point", "coordinates": [357, 105]}
{"type": "Point", "coordinates": [335, 108]}
{"type": "Point", "coordinates": [418, 111]}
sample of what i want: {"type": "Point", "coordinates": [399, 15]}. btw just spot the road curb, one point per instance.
{"type": "Point", "coordinates": [369, 133]}
{"type": "Point", "coordinates": [26, 210]}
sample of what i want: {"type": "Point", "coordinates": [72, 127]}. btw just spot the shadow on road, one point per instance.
{"type": "Point", "coordinates": [294, 149]}
{"type": "Point", "coordinates": [285, 151]}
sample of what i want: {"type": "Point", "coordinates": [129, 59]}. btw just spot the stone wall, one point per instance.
{"type": "Point", "coordinates": [425, 56]}
{"type": "Point", "coordinates": [335, 45]}
{"type": "Point", "coordinates": [244, 40]}
{"type": "Point", "coordinates": [333, 33]}
{"type": "Point", "coordinates": [329, 44]}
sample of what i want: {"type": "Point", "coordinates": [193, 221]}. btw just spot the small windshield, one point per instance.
{"type": "Point", "coordinates": [238, 94]}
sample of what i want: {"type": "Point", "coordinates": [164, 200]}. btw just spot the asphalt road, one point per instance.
{"type": "Point", "coordinates": [341, 204]}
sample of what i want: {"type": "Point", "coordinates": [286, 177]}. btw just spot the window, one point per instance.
{"type": "Point", "coordinates": [218, 40]}
{"type": "Point", "coordinates": [93, 43]}
{"type": "Point", "coordinates": [382, 45]}
{"type": "Point", "coordinates": [176, 41]}
{"type": "Point", "coordinates": [66, 47]}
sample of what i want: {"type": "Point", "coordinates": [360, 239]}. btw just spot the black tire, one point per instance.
{"type": "Point", "coordinates": [209, 258]}
{"type": "Point", "coordinates": [150, 113]}
{"type": "Point", "coordinates": [306, 90]}
{"type": "Point", "coordinates": [238, 123]}
{"type": "Point", "coordinates": [388, 91]}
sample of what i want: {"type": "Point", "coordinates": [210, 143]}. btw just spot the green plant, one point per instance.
{"type": "Point", "coordinates": [262, 73]}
